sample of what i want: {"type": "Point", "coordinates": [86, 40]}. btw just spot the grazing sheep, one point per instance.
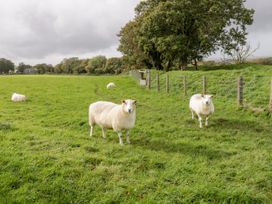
{"type": "Point", "coordinates": [111, 85]}
{"type": "Point", "coordinates": [18, 97]}
{"type": "Point", "coordinates": [110, 115]}
{"type": "Point", "coordinates": [202, 106]}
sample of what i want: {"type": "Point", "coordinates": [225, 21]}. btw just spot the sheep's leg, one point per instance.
{"type": "Point", "coordinates": [200, 121]}
{"type": "Point", "coordinates": [206, 123]}
{"type": "Point", "coordinates": [127, 137]}
{"type": "Point", "coordinates": [91, 131]}
{"type": "Point", "coordinates": [193, 115]}
{"type": "Point", "coordinates": [120, 138]}
{"type": "Point", "coordinates": [104, 132]}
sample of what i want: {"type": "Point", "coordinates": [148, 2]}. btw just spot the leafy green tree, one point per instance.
{"type": "Point", "coordinates": [58, 68]}
{"type": "Point", "coordinates": [134, 57]}
{"type": "Point", "coordinates": [80, 67]}
{"type": "Point", "coordinates": [68, 65]}
{"type": "Point", "coordinates": [22, 67]}
{"type": "Point", "coordinates": [96, 65]}
{"type": "Point", "coordinates": [114, 65]}
{"type": "Point", "coordinates": [44, 68]}
{"type": "Point", "coordinates": [6, 66]}
{"type": "Point", "coordinates": [181, 31]}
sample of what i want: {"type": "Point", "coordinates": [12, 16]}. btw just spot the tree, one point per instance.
{"type": "Point", "coordinates": [242, 52]}
{"type": "Point", "coordinates": [22, 67]}
{"type": "Point", "coordinates": [96, 64]}
{"type": "Point", "coordinates": [68, 65]}
{"type": "Point", "coordinates": [181, 31]}
{"type": "Point", "coordinates": [6, 66]}
{"type": "Point", "coordinates": [134, 57]}
{"type": "Point", "coordinates": [80, 66]}
{"type": "Point", "coordinates": [58, 68]}
{"type": "Point", "coordinates": [114, 65]}
{"type": "Point", "coordinates": [44, 68]}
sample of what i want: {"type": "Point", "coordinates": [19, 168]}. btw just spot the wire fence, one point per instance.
{"type": "Point", "coordinates": [254, 92]}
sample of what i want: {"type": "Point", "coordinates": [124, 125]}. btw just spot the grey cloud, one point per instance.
{"type": "Point", "coordinates": [262, 16]}
{"type": "Point", "coordinates": [37, 29]}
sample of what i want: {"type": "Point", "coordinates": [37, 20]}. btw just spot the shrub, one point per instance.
{"type": "Point", "coordinates": [264, 61]}
{"type": "Point", "coordinates": [114, 65]}
{"type": "Point", "coordinates": [96, 64]}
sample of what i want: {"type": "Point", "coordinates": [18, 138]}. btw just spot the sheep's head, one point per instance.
{"type": "Point", "coordinates": [206, 99]}
{"type": "Point", "coordinates": [129, 106]}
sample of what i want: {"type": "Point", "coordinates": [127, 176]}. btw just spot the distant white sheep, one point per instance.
{"type": "Point", "coordinates": [18, 97]}
{"type": "Point", "coordinates": [111, 85]}
{"type": "Point", "coordinates": [109, 115]}
{"type": "Point", "coordinates": [202, 106]}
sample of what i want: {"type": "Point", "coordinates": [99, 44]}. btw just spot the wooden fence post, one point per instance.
{"type": "Point", "coordinates": [148, 78]}
{"type": "Point", "coordinates": [184, 86]}
{"type": "Point", "coordinates": [158, 82]}
{"type": "Point", "coordinates": [270, 101]}
{"type": "Point", "coordinates": [167, 83]}
{"type": "Point", "coordinates": [204, 85]}
{"type": "Point", "coordinates": [240, 84]}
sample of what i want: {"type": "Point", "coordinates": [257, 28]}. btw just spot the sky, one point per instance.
{"type": "Point", "coordinates": [46, 31]}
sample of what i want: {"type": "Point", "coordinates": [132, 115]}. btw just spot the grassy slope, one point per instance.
{"type": "Point", "coordinates": [47, 156]}
{"type": "Point", "coordinates": [222, 82]}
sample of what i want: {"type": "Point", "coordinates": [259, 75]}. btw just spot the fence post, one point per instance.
{"type": "Point", "coordinates": [184, 86]}
{"type": "Point", "coordinates": [167, 83]}
{"type": "Point", "coordinates": [240, 91]}
{"type": "Point", "coordinates": [148, 78]}
{"type": "Point", "coordinates": [158, 82]}
{"type": "Point", "coordinates": [270, 101]}
{"type": "Point", "coordinates": [204, 84]}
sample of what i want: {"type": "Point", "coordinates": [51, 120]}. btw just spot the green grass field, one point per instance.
{"type": "Point", "coordinates": [47, 156]}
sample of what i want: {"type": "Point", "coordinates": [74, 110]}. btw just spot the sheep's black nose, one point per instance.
{"type": "Point", "coordinates": [129, 110]}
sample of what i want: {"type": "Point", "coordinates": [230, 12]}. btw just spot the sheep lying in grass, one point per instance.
{"type": "Point", "coordinates": [202, 106]}
{"type": "Point", "coordinates": [110, 115]}
{"type": "Point", "coordinates": [111, 85]}
{"type": "Point", "coordinates": [18, 97]}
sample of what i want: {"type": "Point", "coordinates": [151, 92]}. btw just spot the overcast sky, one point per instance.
{"type": "Point", "coordinates": [36, 31]}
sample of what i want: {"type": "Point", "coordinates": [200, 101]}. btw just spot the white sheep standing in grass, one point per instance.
{"type": "Point", "coordinates": [18, 97]}
{"type": "Point", "coordinates": [109, 115]}
{"type": "Point", "coordinates": [111, 85]}
{"type": "Point", "coordinates": [202, 106]}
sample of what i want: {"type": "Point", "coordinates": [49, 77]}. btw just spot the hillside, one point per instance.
{"type": "Point", "coordinates": [222, 83]}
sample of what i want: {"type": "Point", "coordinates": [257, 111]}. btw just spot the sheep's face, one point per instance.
{"type": "Point", "coordinates": [207, 99]}
{"type": "Point", "coordinates": [129, 106]}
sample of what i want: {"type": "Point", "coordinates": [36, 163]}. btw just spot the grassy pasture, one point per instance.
{"type": "Point", "coordinates": [46, 155]}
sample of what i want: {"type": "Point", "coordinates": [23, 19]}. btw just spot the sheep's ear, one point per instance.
{"type": "Point", "coordinates": [123, 101]}
{"type": "Point", "coordinates": [202, 95]}
{"type": "Point", "coordinates": [134, 102]}
{"type": "Point", "coordinates": [211, 96]}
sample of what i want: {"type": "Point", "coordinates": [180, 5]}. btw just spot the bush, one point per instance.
{"type": "Point", "coordinates": [114, 65]}
{"type": "Point", "coordinates": [96, 65]}
{"type": "Point", "coordinates": [6, 66]}
{"type": "Point", "coordinates": [210, 63]}
{"type": "Point", "coordinates": [264, 61]}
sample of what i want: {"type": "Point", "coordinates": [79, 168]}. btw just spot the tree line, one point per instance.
{"type": "Point", "coordinates": [96, 65]}
{"type": "Point", "coordinates": [171, 34]}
